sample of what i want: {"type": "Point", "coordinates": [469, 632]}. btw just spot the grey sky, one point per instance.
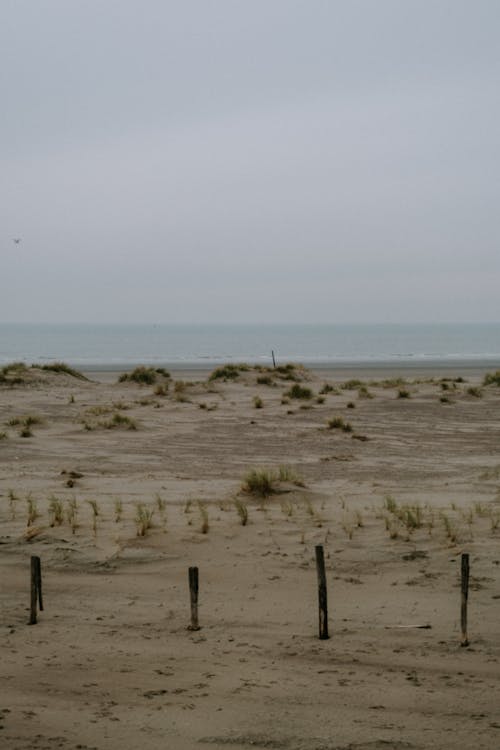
{"type": "Point", "coordinates": [256, 160]}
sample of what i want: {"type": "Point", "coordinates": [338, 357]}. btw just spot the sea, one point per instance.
{"type": "Point", "coordinates": [121, 346]}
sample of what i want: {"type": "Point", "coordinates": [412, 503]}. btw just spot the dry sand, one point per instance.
{"type": "Point", "coordinates": [111, 664]}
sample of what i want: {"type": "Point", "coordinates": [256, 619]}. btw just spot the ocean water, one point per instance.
{"type": "Point", "coordinates": [109, 346]}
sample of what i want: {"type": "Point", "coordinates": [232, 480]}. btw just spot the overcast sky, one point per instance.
{"type": "Point", "coordinates": [250, 160]}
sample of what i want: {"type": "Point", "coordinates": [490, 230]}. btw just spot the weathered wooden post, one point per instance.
{"type": "Point", "coordinates": [464, 598]}
{"type": "Point", "coordinates": [34, 590]}
{"type": "Point", "coordinates": [38, 568]}
{"type": "Point", "coordinates": [193, 592]}
{"type": "Point", "coordinates": [274, 361]}
{"type": "Point", "coordinates": [322, 595]}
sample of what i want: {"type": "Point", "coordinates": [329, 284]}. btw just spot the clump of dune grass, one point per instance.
{"type": "Point", "coordinates": [143, 519]}
{"type": "Point", "coordinates": [26, 432]}
{"type": "Point", "coordinates": [320, 399]}
{"type": "Point", "coordinates": [350, 405]}
{"type": "Point", "coordinates": [228, 372]}
{"type": "Point", "coordinates": [161, 389]}
{"type": "Point", "coordinates": [143, 375]}
{"type": "Point", "coordinates": [3, 435]}
{"type": "Point", "coordinates": [298, 391]}
{"type": "Point", "coordinates": [119, 421]}
{"type": "Point", "coordinates": [56, 511]}
{"type": "Point", "coordinates": [338, 423]}
{"type": "Point", "coordinates": [260, 482]}
{"type": "Point", "coordinates": [363, 392]}
{"type": "Point", "coordinates": [474, 391]}
{"type": "Point", "coordinates": [242, 511]}
{"type": "Point", "coordinates": [403, 393]}
{"type": "Point", "coordinates": [492, 378]}
{"type": "Point", "coordinates": [61, 367]}
{"type": "Point", "coordinates": [327, 388]}
{"type": "Point", "coordinates": [32, 508]}
{"type": "Point", "coordinates": [265, 380]}
{"type": "Point", "coordinates": [445, 399]}
{"type": "Point", "coordinates": [265, 482]}
{"type": "Point", "coordinates": [13, 373]}
{"type": "Point", "coordinates": [257, 402]}
{"type": "Point", "coordinates": [352, 385]}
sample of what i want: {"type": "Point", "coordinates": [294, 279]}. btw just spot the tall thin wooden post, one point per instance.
{"type": "Point", "coordinates": [464, 598]}
{"type": "Point", "coordinates": [193, 592]}
{"type": "Point", "coordinates": [274, 361]}
{"type": "Point", "coordinates": [34, 590]}
{"type": "Point", "coordinates": [38, 567]}
{"type": "Point", "coordinates": [322, 596]}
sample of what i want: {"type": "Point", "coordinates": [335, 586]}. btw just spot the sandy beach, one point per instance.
{"type": "Point", "coordinates": [120, 487]}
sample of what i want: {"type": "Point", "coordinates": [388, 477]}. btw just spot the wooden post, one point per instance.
{"type": "Point", "coordinates": [274, 361]}
{"type": "Point", "coordinates": [465, 595]}
{"type": "Point", "coordinates": [322, 597]}
{"type": "Point", "coordinates": [34, 591]}
{"type": "Point", "coordinates": [193, 592]}
{"type": "Point", "coordinates": [38, 567]}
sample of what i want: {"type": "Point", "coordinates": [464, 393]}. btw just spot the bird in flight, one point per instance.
{"type": "Point", "coordinates": [16, 240]}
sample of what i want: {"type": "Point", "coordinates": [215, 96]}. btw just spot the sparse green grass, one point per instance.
{"type": "Point", "coordinates": [13, 499]}
{"type": "Point", "coordinates": [143, 519]}
{"type": "Point", "coordinates": [298, 391]}
{"type": "Point", "coordinates": [95, 514]}
{"type": "Point", "coordinates": [257, 402]}
{"type": "Point", "coordinates": [118, 505]}
{"type": "Point", "coordinates": [403, 393]}
{"type": "Point", "coordinates": [32, 507]}
{"type": "Point", "coordinates": [3, 435]}
{"type": "Point", "coordinates": [72, 514]}
{"type": "Point", "coordinates": [242, 511]}
{"type": "Point", "coordinates": [26, 432]}
{"type": "Point", "coordinates": [56, 511]}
